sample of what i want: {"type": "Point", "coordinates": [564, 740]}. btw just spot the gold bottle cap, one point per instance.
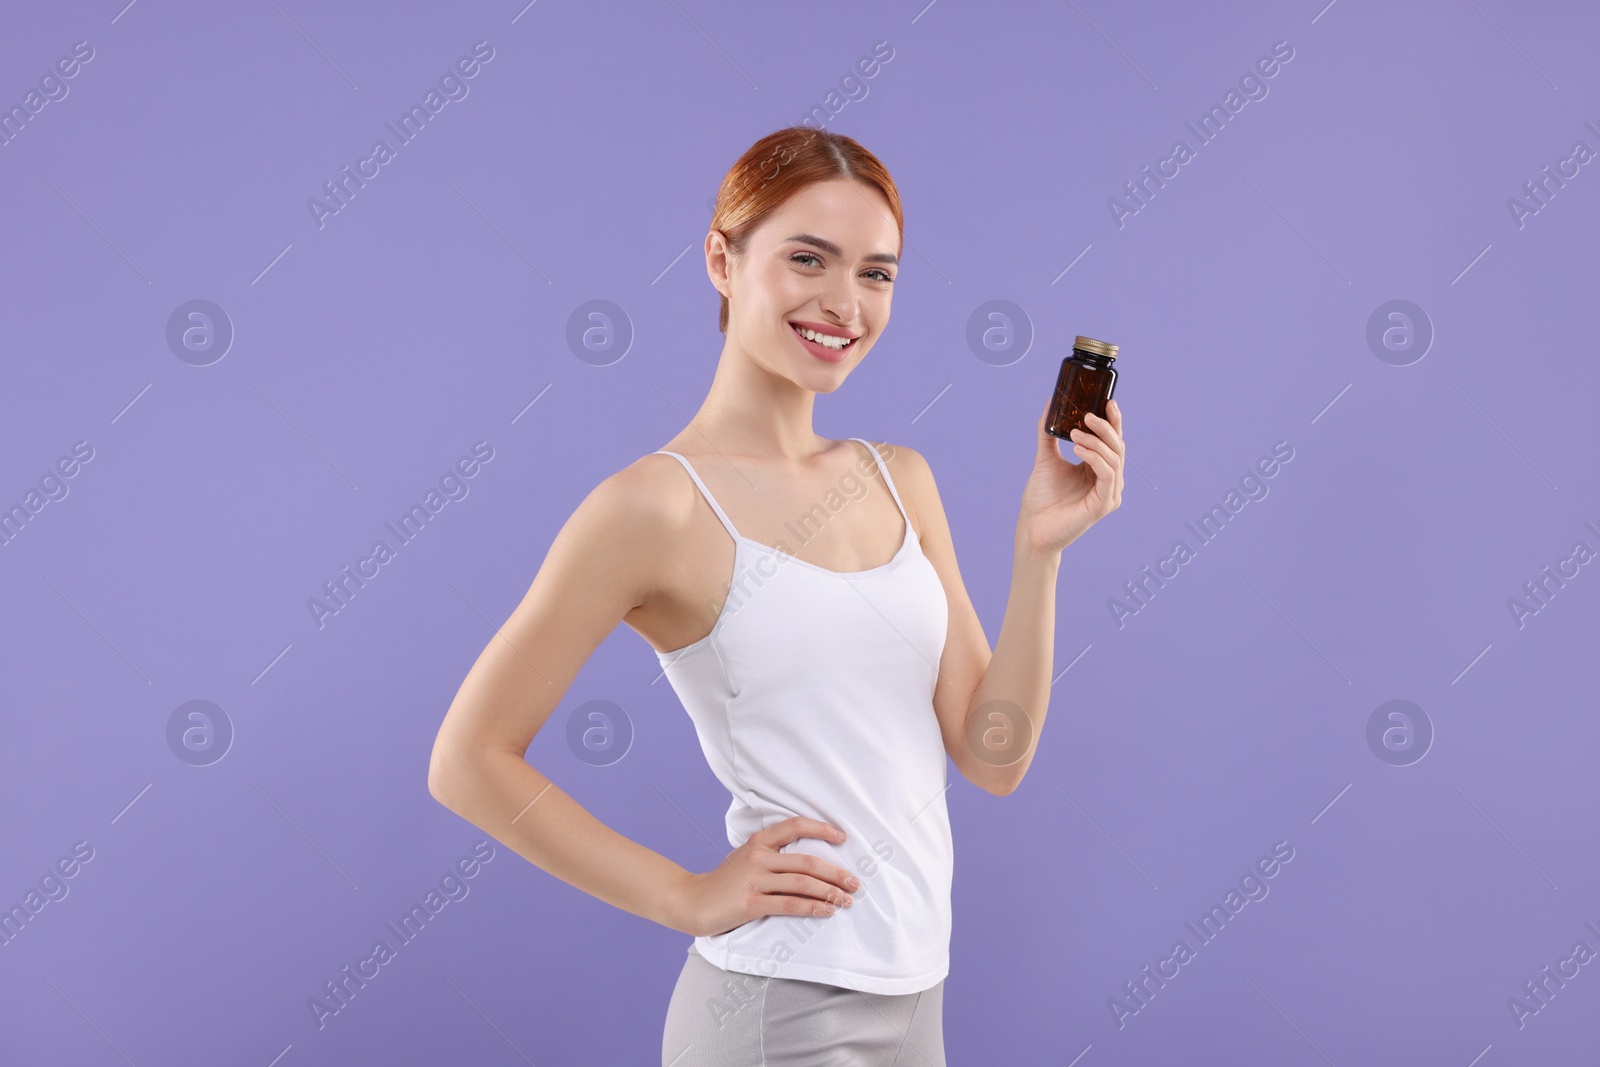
{"type": "Point", "coordinates": [1099, 348]}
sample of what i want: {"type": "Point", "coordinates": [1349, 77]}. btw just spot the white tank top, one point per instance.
{"type": "Point", "coordinates": [813, 695]}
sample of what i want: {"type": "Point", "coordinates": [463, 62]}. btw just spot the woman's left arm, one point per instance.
{"type": "Point", "coordinates": [992, 705]}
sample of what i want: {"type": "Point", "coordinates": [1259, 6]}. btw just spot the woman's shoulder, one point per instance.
{"type": "Point", "coordinates": [891, 452]}
{"type": "Point", "coordinates": [628, 528]}
{"type": "Point", "coordinates": [909, 469]}
{"type": "Point", "coordinates": [903, 461]}
{"type": "Point", "coordinates": [647, 493]}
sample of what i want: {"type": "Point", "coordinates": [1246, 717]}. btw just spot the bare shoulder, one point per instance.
{"type": "Point", "coordinates": [913, 477]}
{"type": "Point", "coordinates": [650, 498]}
{"type": "Point", "coordinates": [627, 526]}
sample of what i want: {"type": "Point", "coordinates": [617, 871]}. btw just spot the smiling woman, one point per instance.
{"type": "Point", "coordinates": [820, 167]}
{"type": "Point", "coordinates": [830, 683]}
{"type": "Point", "coordinates": [811, 299]}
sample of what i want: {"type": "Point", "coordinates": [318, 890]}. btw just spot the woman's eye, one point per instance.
{"type": "Point", "coordinates": [882, 275]}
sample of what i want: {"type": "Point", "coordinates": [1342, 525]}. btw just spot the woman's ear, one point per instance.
{"type": "Point", "coordinates": [719, 262]}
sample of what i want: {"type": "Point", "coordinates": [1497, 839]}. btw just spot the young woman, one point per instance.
{"type": "Point", "coordinates": [803, 598]}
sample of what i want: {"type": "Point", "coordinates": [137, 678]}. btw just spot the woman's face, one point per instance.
{"type": "Point", "coordinates": [824, 261]}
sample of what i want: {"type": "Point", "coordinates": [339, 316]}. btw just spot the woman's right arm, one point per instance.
{"type": "Point", "coordinates": [605, 561]}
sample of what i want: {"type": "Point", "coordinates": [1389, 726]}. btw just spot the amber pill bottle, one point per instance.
{"type": "Point", "coordinates": [1084, 385]}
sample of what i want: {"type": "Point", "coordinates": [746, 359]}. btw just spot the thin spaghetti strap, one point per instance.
{"type": "Point", "coordinates": [722, 515]}
{"type": "Point", "coordinates": [886, 479]}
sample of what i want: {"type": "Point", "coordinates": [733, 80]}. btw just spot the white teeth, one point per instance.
{"type": "Point", "coordinates": [825, 340]}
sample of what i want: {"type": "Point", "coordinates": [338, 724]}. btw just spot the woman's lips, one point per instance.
{"type": "Point", "coordinates": [828, 355]}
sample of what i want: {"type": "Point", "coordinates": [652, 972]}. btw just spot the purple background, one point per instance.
{"type": "Point", "coordinates": [433, 310]}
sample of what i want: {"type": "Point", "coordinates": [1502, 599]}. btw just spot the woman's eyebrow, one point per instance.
{"type": "Point", "coordinates": [834, 250]}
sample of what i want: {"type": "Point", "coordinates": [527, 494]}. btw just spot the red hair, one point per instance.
{"type": "Point", "coordinates": [781, 164]}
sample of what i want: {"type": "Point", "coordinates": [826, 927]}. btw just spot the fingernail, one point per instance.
{"type": "Point", "coordinates": [853, 884]}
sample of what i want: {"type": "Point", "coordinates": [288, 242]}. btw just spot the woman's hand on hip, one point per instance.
{"type": "Point", "coordinates": [757, 879]}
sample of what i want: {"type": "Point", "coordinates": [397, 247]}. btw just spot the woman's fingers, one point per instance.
{"type": "Point", "coordinates": [798, 883]}
{"type": "Point", "coordinates": [1106, 430]}
{"type": "Point", "coordinates": [817, 868]}
{"type": "Point", "coordinates": [1105, 456]}
{"type": "Point", "coordinates": [1103, 471]}
{"type": "Point", "coordinates": [1108, 436]}
{"type": "Point", "coordinates": [803, 885]}
{"type": "Point", "coordinates": [1098, 445]}
{"type": "Point", "coordinates": [795, 827]}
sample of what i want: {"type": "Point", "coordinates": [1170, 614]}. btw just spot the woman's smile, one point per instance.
{"type": "Point", "coordinates": [833, 345]}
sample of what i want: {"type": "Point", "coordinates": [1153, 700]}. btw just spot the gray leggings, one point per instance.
{"type": "Point", "coordinates": [723, 1018]}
